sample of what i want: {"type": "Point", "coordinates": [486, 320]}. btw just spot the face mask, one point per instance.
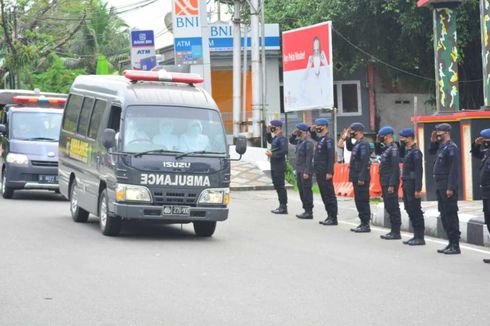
{"type": "Point", "coordinates": [403, 142]}
{"type": "Point", "coordinates": [440, 138]}
{"type": "Point", "coordinates": [486, 144]}
{"type": "Point", "coordinates": [381, 145]}
{"type": "Point", "coordinates": [381, 139]}
{"type": "Point", "coordinates": [352, 135]}
{"type": "Point", "coordinates": [273, 129]}
{"type": "Point", "coordinates": [319, 130]}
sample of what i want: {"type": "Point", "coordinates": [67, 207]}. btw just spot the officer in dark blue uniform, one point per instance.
{"type": "Point", "coordinates": [445, 172]}
{"type": "Point", "coordinates": [412, 185]}
{"type": "Point", "coordinates": [389, 178]}
{"type": "Point", "coordinates": [304, 167]}
{"type": "Point", "coordinates": [481, 150]}
{"type": "Point", "coordinates": [277, 155]}
{"type": "Point", "coordinates": [324, 162]}
{"type": "Point", "coordinates": [359, 173]}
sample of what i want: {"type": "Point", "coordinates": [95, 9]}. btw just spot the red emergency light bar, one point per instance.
{"type": "Point", "coordinates": [164, 76]}
{"type": "Point", "coordinates": [39, 99]}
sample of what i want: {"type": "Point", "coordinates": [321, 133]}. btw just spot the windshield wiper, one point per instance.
{"type": "Point", "coordinates": [155, 151]}
{"type": "Point", "coordinates": [41, 138]}
{"type": "Point", "coordinates": [197, 152]}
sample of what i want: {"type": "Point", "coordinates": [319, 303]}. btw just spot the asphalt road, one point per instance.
{"type": "Point", "coordinates": [258, 269]}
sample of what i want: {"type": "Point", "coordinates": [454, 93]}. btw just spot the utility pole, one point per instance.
{"type": "Point", "coordinates": [256, 105]}
{"type": "Point", "coordinates": [236, 68]}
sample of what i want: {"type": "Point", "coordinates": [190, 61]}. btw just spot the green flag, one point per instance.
{"type": "Point", "coordinates": [102, 66]}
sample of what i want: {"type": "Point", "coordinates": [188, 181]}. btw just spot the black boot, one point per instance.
{"type": "Point", "coordinates": [408, 241]}
{"type": "Point", "coordinates": [391, 236]}
{"type": "Point", "coordinates": [418, 239]}
{"type": "Point", "coordinates": [283, 209]}
{"type": "Point", "coordinates": [330, 221]}
{"type": "Point", "coordinates": [441, 251]}
{"type": "Point", "coordinates": [453, 249]}
{"type": "Point", "coordinates": [362, 228]}
{"type": "Point", "coordinates": [307, 215]}
{"type": "Point", "coordinates": [486, 261]}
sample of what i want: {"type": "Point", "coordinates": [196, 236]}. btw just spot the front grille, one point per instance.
{"type": "Point", "coordinates": [162, 197]}
{"type": "Point", "coordinates": [45, 163]}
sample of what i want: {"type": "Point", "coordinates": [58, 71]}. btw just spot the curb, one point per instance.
{"type": "Point", "coordinates": [251, 188]}
{"type": "Point", "coordinates": [473, 228]}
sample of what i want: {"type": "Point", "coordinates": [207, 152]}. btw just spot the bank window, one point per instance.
{"type": "Point", "coordinates": [72, 111]}
{"type": "Point", "coordinates": [84, 120]}
{"type": "Point", "coordinates": [347, 97]}
{"type": "Point", "coordinates": [95, 120]}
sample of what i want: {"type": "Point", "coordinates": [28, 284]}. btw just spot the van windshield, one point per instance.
{"type": "Point", "coordinates": [36, 125]}
{"type": "Point", "coordinates": [178, 129]}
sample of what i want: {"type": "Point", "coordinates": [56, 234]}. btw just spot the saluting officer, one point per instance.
{"type": "Point", "coordinates": [389, 178]}
{"type": "Point", "coordinates": [481, 149]}
{"type": "Point", "coordinates": [324, 162]}
{"type": "Point", "coordinates": [412, 185]}
{"type": "Point", "coordinates": [277, 155]}
{"type": "Point", "coordinates": [359, 173]}
{"type": "Point", "coordinates": [446, 173]}
{"type": "Point", "coordinates": [304, 167]}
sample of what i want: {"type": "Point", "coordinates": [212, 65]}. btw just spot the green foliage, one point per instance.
{"type": "Point", "coordinates": [290, 177]}
{"type": "Point", "coordinates": [57, 78]}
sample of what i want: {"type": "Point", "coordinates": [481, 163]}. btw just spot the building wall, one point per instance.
{"type": "Point", "coordinates": [397, 109]}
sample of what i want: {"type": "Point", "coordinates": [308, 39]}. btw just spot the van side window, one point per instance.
{"type": "Point", "coordinates": [72, 111]}
{"type": "Point", "coordinates": [84, 120]}
{"type": "Point", "coordinates": [96, 118]}
{"type": "Point", "coordinates": [114, 118]}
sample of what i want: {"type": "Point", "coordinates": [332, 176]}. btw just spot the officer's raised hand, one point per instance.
{"type": "Point", "coordinates": [433, 136]}
{"type": "Point", "coordinates": [479, 140]}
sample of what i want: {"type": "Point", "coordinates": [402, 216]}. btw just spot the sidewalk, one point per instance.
{"type": "Point", "coordinates": [471, 222]}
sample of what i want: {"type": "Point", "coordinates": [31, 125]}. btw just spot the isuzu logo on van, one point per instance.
{"type": "Point", "coordinates": [186, 165]}
{"type": "Point", "coordinates": [153, 179]}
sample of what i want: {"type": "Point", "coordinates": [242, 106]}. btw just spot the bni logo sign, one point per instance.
{"type": "Point", "coordinates": [186, 7]}
{"type": "Point", "coordinates": [142, 36]}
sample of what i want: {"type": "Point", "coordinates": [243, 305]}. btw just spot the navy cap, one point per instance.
{"type": "Point", "coordinates": [276, 123]}
{"type": "Point", "coordinates": [485, 133]}
{"type": "Point", "coordinates": [357, 126]}
{"type": "Point", "coordinates": [387, 130]}
{"type": "Point", "coordinates": [443, 127]}
{"type": "Point", "coordinates": [407, 132]}
{"type": "Point", "coordinates": [303, 126]}
{"type": "Point", "coordinates": [321, 122]}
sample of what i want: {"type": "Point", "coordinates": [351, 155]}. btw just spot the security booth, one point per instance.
{"type": "Point", "coordinates": [466, 127]}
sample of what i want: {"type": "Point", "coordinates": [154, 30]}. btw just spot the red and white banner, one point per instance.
{"type": "Point", "coordinates": [307, 68]}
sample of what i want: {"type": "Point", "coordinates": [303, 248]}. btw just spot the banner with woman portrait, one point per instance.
{"type": "Point", "coordinates": [307, 68]}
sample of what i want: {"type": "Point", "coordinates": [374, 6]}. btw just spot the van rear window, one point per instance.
{"type": "Point", "coordinates": [72, 111]}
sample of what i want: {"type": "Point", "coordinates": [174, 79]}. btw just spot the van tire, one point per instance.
{"type": "Point", "coordinates": [78, 214]}
{"type": "Point", "coordinates": [109, 225]}
{"type": "Point", "coordinates": [7, 192]}
{"type": "Point", "coordinates": [204, 229]}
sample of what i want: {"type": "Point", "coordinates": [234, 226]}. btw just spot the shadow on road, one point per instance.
{"type": "Point", "coordinates": [37, 195]}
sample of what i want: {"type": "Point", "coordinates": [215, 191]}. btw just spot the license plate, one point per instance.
{"type": "Point", "coordinates": [52, 179]}
{"type": "Point", "coordinates": [175, 210]}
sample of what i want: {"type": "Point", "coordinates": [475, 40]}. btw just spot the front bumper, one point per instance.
{"type": "Point", "coordinates": [149, 212]}
{"type": "Point", "coordinates": [27, 177]}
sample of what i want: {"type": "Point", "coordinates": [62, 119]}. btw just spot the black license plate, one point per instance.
{"type": "Point", "coordinates": [49, 179]}
{"type": "Point", "coordinates": [175, 210]}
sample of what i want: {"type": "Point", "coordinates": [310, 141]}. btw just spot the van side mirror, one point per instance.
{"type": "Point", "coordinates": [3, 129]}
{"type": "Point", "coordinates": [109, 138]}
{"type": "Point", "coordinates": [241, 145]}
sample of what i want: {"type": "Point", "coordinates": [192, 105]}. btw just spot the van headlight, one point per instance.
{"type": "Point", "coordinates": [20, 159]}
{"type": "Point", "coordinates": [133, 193]}
{"type": "Point", "coordinates": [217, 196]}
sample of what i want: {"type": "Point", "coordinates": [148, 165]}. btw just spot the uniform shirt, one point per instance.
{"type": "Point", "coordinates": [359, 160]}
{"type": "Point", "coordinates": [484, 168]}
{"type": "Point", "coordinates": [389, 166]}
{"type": "Point", "coordinates": [304, 154]}
{"type": "Point", "coordinates": [413, 166]}
{"type": "Point", "coordinates": [279, 149]}
{"type": "Point", "coordinates": [324, 159]}
{"type": "Point", "coordinates": [445, 170]}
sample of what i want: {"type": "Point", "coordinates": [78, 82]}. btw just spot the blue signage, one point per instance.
{"type": "Point", "coordinates": [188, 50]}
{"type": "Point", "coordinates": [142, 38]}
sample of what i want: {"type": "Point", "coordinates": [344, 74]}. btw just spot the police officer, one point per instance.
{"type": "Point", "coordinates": [304, 167]}
{"type": "Point", "coordinates": [446, 173]}
{"type": "Point", "coordinates": [359, 173]}
{"type": "Point", "coordinates": [481, 149]}
{"type": "Point", "coordinates": [277, 156]}
{"type": "Point", "coordinates": [389, 178]}
{"type": "Point", "coordinates": [412, 185]}
{"type": "Point", "coordinates": [324, 166]}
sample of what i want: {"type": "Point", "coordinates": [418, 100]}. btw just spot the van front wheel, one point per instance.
{"type": "Point", "coordinates": [7, 192]}
{"type": "Point", "coordinates": [78, 214]}
{"type": "Point", "coordinates": [204, 229]}
{"type": "Point", "coordinates": [109, 225]}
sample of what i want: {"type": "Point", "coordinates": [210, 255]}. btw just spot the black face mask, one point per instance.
{"type": "Point", "coordinates": [352, 135]}
{"type": "Point", "coordinates": [319, 130]}
{"type": "Point", "coordinates": [381, 145]}
{"type": "Point", "coordinates": [273, 129]}
{"type": "Point", "coordinates": [403, 142]}
{"type": "Point", "coordinates": [486, 144]}
{"type": "Point", "coordinates": [381, 139]}
{"type": "Point", "coordinates": [440, 138]}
